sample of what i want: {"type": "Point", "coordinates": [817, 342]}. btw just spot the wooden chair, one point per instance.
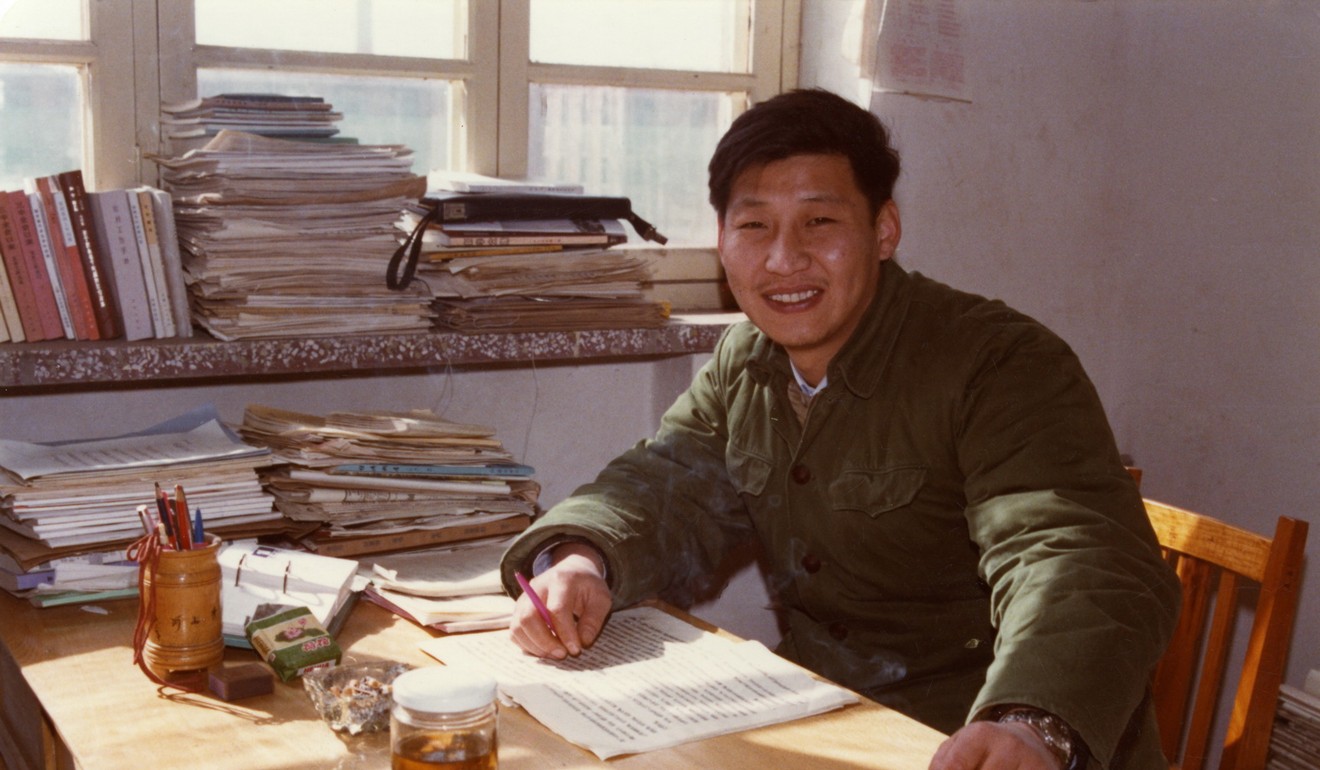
{"type": "Point", "coordinates": [1215, 561]}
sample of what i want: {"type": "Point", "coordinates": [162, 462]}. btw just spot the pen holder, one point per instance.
{"type": "Point", "coordinates": [180, 607]}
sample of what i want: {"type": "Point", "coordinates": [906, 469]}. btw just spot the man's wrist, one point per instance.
{"type": "Point", "coordinates": [1058, 736]}
{"type": "Point", "coordinates": [552, 551]}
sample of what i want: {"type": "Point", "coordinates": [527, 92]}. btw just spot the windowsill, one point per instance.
{"type": "Point", "coordinates": [97, 365]}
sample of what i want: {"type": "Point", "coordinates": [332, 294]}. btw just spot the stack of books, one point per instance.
{"type": "Point", "coordinates": [450, 589]}
{"type": "Point", "coordinates": [84, 265]}
{"type": "Point", "coordinates": [511, 256]}
{"type": "Point", "coordinates": [292, 238]}
{"type": "Point", "coordinates": [1295, 741]}
{"type": "Point", "coordinates": [189, 125]}
{"type": "Point", "coordinates": [82, 497]}
{"type": "Point", "coordinates": [390, 481]}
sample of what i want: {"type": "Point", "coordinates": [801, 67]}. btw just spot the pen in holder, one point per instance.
{"type": "Point", "coordinates": [179, 627]}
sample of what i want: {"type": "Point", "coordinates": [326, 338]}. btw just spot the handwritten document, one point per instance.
{"type": "Point", "coordinates": [651, 681]}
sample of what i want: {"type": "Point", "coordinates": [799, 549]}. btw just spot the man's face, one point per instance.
{"type": "Point", "coordinates": [802, 254]}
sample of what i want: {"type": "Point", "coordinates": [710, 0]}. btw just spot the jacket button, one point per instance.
{"type": "Point", "coordinates": [800, 473]}
{"type": "Point", "coordinates": [811, 563]}
{"type": "Point", "coordinates": [838, 630]}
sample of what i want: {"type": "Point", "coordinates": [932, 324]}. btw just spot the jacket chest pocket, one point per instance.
{"type": "Point", "coordinates": [749, 473]}
{"type": "Point", "coordinates": [876, 492]}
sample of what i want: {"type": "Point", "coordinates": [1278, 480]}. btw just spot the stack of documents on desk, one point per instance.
{"type": "Point", "coordinates": [390, 481]}
{"type": "Point", "coordinates": [82, 578]}
{"type": "Point", "coordinates": [1295, 741]}
{"type": "Point", "coordinates": [451, 589]}
{"type": "Point", "coordinates": [82, 496]}
{"type": "Point", "coordinates": [289, 238]}
{"type": "Point", "coordinates": [503, 267]}
{"type": "Point", "coordinates": [649, 682]}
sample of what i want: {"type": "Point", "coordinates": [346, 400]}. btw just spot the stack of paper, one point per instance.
{"type": "Point", "coordinates": [507, 267]}
{"type": "Point", "coordinates": [66, 579]}
{"type": "Point", "coordinates": [289, 238]}
{"type": "Point", "coordinates": [649, 682]}
{"type": "Point", "coordinates": [301, 117]}
{"type": "Point", "coordinates": [80, 497]}
{"type": "Point", "coordinates": [390, 481]}
{"type": "Point", "coordinates": [450, 589]}
{"type": "Point", "coordinates": [1295, 742]}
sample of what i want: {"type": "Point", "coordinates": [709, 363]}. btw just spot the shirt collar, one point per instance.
{"type": "Point", "coordinates": [802, 384]}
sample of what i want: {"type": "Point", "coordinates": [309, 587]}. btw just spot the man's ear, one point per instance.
{"type": "Point", "coordinates": [888, 229]}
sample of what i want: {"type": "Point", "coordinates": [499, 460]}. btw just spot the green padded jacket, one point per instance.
{"type": "Point", "coordinates": [950, 528]}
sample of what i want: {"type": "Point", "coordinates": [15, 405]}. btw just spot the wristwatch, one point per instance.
{"type": "Point", "coordinates": [1059, 737]}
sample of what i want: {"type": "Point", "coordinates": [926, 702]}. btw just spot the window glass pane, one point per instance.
{"type": "Point", "coordinates": [44, 19]}
{"type": "Point", "coordinates": [649, 145]}
{"type": "Point", "coordinates": [415, 113]}
{"type": "Point", "coordinates": [710, 34]}
{"type": "Point", "coordinates": [41, 111]}
{"type": "Point", "coordinates": [432, 29]}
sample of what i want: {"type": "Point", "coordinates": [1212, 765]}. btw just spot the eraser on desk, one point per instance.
{"type": "Point", "coordinates": [243, 681]}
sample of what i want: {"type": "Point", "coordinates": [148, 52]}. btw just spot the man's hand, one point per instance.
{"type": "Point", "coordinates": [994, 746]}
{"type": "Point", "coordinates": [575, 592]}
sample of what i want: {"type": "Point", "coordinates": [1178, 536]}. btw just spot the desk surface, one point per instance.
{"type": "Point", "coordinates": [109, 715]}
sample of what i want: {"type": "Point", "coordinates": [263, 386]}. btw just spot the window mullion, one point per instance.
{"type": "Point", "coordinates": [514, 87]}
{"type": "Point", "coordinates": [112, 159]}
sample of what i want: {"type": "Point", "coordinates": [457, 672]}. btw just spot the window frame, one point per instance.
{"type": "Point", "coordinates": [127, 83]}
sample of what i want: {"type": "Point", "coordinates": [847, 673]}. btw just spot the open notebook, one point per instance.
{"type": "Point", "coordinates": [252, 575]}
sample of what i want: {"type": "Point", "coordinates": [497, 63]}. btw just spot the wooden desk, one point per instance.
{"type": "Point", "coordinates": [73, 697]}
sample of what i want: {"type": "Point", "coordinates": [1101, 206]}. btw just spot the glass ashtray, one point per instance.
{"type": "Point", "coordinates": [354, 697]}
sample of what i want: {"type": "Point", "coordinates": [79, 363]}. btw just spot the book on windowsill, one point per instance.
{"type": "Point", "coordinates": [21, 243]}
{"type": "Point", "coordinates": [95, 262]}
{"type": "Point", "coordinates": [530, 232]}
{"type": "Point", "coordinates": [16, 265]}
{"type": "Point", "coordinates": [63, 258]}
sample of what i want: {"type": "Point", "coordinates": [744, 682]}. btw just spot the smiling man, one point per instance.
{"type": "Point", "coordinates": [932, 480]}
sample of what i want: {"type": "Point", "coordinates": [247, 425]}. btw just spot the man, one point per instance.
{"type": "Point", "coordinates": [930, 474]}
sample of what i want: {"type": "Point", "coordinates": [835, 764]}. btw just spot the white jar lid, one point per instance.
{"type": "Point", "coordinates": [443, 689]}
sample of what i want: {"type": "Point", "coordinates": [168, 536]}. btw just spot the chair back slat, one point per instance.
{"type": "Point", "coordinates": [1175, 674]}
{"type": "Point", "coordinates": [1214, 656]}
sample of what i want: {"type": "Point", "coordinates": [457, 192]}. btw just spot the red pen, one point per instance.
{"type": "Point", "coordinates": [541, 609]}
{"type": "Point", "coordinates": [183, 523]}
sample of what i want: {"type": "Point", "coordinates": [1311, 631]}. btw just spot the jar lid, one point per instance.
{"type": "Point", "coordinates": [443, 689]}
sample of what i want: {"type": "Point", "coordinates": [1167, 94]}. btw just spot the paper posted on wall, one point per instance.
{"type": "Point", "coordinates": [650, 681]}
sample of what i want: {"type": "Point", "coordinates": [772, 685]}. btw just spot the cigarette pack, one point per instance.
{"type": "Point", "coordinates": [293, 642]}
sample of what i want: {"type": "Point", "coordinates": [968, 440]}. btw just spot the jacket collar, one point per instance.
{"type": "Point", "coordinates": [863, 358]}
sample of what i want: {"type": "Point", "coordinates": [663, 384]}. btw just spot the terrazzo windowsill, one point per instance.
{"type": "Point", "coordinates": [25, 366]}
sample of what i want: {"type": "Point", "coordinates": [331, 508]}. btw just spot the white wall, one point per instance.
{"type": "Point", "coordinates": [1144, 177]}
